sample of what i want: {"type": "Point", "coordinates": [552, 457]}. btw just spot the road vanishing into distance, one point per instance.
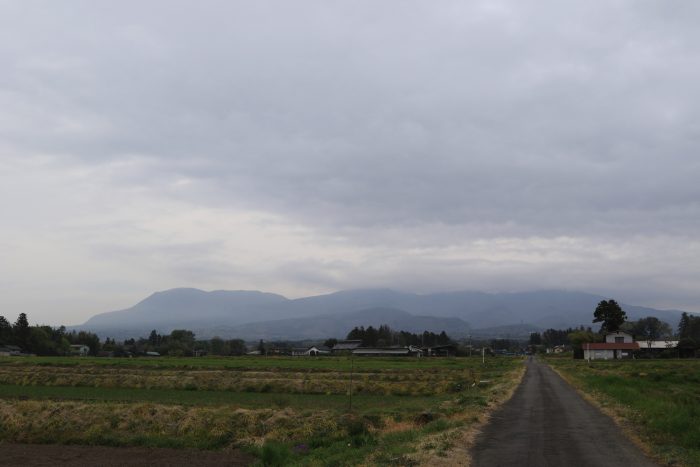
{"type": "Point", "coordinates": [547, 423]}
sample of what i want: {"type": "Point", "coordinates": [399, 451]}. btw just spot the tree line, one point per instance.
{"type": "Point", "coordinates": [384, 336]}
{"type": "Point", "coordinates": [613, 318]}
{"type": "Point", "coordinates": [49, 341]}
{"type": "Point", "coordinates": [44, 340]}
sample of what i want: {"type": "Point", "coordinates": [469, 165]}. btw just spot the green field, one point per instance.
{"type": "Point", "coordinates": [247, 362]}
{"type": "Point", "coordinates": [286, 411]}
{"type": "Point", "coordinates": [660, 398]}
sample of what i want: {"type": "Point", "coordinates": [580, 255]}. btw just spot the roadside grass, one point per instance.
{"type": "Point", "coordinates": [660, 398]}
{"type": "Point", "coordinates": [286, 411]}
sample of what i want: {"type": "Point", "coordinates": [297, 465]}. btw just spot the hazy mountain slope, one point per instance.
{"type": "Point", "coordinates": [177, 307]}
{"type": "Point", "coordinates": [351, 300]}
{"type": "Point", "coordinates": [211, 312]}
{"type": "Point", "coordinates": [338, 325]}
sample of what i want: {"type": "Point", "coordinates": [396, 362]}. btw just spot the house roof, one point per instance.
{"type": "Point", "coordinates": [347, 345]}
{"type": "Point", "coordinates": [611, 346]}
{"type": "Point", "coordinates": [376, 351]}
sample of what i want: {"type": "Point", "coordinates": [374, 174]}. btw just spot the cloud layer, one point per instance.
{"type": "Point", "coordinates": [309, 146]}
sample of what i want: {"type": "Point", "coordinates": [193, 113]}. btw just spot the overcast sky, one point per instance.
{"type": "Point", "coordinates": [309, 146]}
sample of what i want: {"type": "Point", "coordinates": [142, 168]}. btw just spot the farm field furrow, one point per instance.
{"type": "Point", "coordinates": [401, 410]}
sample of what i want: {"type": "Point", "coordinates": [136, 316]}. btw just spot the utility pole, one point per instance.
{"type": "Point", "coordinates": [352, 370]}
{"type": "Point", "coordinates": [588, 345]}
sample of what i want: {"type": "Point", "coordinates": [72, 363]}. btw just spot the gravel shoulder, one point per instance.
{"type": "Point", "coordinates": [547, 423]}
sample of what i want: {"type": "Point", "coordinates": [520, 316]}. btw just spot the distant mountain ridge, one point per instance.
{"type": "Point", "coordinates": [260, 315]}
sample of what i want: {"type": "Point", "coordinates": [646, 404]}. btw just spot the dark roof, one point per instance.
{"type": "Point", "coordinates": [378, 351]}
{"type": "Point", "coordinates": [611, 346]}
{"type": "Point", "coordinates": [386, 350]}
{"type": "Point", "coordinates": [347, 345]}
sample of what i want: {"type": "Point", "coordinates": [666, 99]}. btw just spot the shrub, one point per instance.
{"type": "Point", "coordinates": [275, 454]}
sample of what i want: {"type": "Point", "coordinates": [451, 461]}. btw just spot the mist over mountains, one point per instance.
{"type": "Point", "coordinates": [260, 315]}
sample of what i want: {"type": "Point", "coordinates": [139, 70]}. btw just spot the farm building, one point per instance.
{"type": "Point", "coordinates": [10, 351]}
{"type": "Point", "coordinates": [617, 344]}
{"type": "Point", "coordinates": [557, 349]}
{"type": "Point", "coordinates": [440, 351]}
{"type": "Point", "coordinates": [410, 351]}
{"type": "Point", "coordinates": [618, 337]}
{"type": "Point", "coordinates": [313, 351]}
{"type": "Point", "coordinates": [79, 350]}
{"type": "Point", "coordinates": [346, 346]}
{"type": "Point", "coordinates": [654, 348]}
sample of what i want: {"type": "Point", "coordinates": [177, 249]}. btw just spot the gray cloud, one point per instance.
{"type": "Point", "coordinates": [381, 128]}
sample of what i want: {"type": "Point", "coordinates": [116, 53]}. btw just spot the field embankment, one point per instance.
{"type": "Point", "coordinates": [657, 400]}
{"type": "Point", "coordinates": [286, 411]}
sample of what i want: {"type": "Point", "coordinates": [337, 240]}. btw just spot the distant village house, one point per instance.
{"type": "Point", "coordinates": [617, 345]}
{"type": "Point", "coordinates": [80, 350]}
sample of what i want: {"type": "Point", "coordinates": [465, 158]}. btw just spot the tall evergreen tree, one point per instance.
{"type": "Point", "coordinates": [684, 326]}
{"type": "Point", "coordinates": [21, 331]}
{"type": "Point", "coordinates": [5, 331]}
{"type": "Point", "coordinates": [610, 314]}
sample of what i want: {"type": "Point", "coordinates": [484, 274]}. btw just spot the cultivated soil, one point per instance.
{"type": "Point", "coordinates": [46, 455]}
{"type": "Point", "coordinates": [547, 423]}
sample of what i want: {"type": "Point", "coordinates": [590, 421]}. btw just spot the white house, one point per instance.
{"type": "Point", "coordinates": [617, 344]}
{"type": "Point", "coordinates": [313, 351]}
{"type": "Point", "coordinates": [618, 337]}
{"type": "Point", "coordinates": [10, 351]}
{"type": "Point", "coordinates": [80, 350]}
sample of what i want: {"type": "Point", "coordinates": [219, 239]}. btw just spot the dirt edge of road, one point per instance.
{"type": "Point", "coordinates": [462, 439]}
{"type": "Point", "coordinates": [616, 411]}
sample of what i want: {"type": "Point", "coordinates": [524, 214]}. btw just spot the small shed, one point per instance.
{"type": "Point", "coordinates": [449, 350]}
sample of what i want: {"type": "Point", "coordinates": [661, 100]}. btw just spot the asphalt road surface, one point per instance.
{"type": "Point", "coordinates": [546, 423]}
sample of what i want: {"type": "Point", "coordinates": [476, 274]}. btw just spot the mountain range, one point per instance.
{"type": "Point", "coordinates": [259, 315]}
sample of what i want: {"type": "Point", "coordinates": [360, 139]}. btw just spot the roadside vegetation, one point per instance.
{"type": "Point", "coordinates": [284, 410]}
{"type": "Point", "coordinates": [659, 399]}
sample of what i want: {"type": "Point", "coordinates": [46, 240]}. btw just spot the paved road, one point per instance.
{"type": "Point", "coordinates": [547, 423]}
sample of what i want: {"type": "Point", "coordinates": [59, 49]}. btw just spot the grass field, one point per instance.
{"type": "Point", "coordinates": [659, 398]}
{"type": "Point", "coordinates": [286, 411]}
{"type": "Point", "coordinates": [247, 362]}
